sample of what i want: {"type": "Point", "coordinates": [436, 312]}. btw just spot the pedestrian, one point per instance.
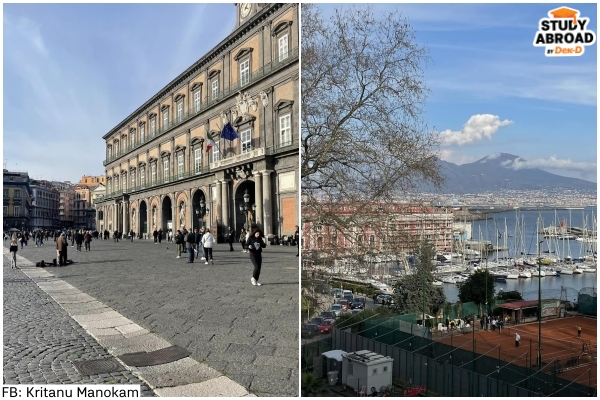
{"type": "Point", "coordinates": [170, 236]}
{"type": "Point", "coordinates": [155, 235]}
{"type": "Point", "coordinates": [160, 233]}
{"type": "Point", "coordinates": [494, 325]}
{"type": "Point", "coordinates": [131, 234]}
{"type": "Point", "coordinates": [297, 240]}
{"type": "Point", "coordinates": [191, 240]}
{"type": "Point", "coordinates": [207, 243]}
{"type": "Point", "coordinates": [72, 238]}
{"type": "Point", "coordinates": [447, 324]}
{"type": "Point", "coordinates": [78, 239]}
{"type": "Point", "coordinates": [230, 238]}
{"type": "Point", "coordinates": [87, 239]}
{"type": "Point", "coordinates": [481, 322]}
{"type": "Point", "coordinates": [199, 246]}
{"type": "Point", "coordinates": [578, 331]}
{"type": "Point", "coordinates": [517, 339]}
{"type": "Point", "coordinates": [22, 240]}
{"type": "Point", "coordinates": [243, 240]}
{"type": "Point", "coordinates": [116, 236]}
{"type": "Point", "coordinates": [14, 247]}
{"type": "Point", "coordinates": [178, 242]}
{"type": "Point", "coordinates": [255, 244]}
{"type": "Point", "coordinates": [61, 246]}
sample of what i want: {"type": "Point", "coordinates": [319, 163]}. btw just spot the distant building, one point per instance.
{"type": "Point", "coordinates": [16, 198]}
{"type": "Point", "coordinates": [405, 223]}
{"type": "Point", "coordinates": [65, 207]}
{"type": "Point", "coordinates": [84, 214]}
{"type": "Point", "coordinates": [45, 201]}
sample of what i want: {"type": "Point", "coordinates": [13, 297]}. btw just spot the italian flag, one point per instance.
{"type": "Point", "coordinates": [210, 143]}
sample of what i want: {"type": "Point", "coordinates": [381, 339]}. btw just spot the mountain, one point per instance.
{"type": "Point", "coordinates": [496, 172]}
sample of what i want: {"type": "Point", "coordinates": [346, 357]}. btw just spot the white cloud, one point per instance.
{"type": "Point", "coordinates": [478, 127]}
{"type": "Point", "coordinates": [27, 30]}
{"type": "Point", "coordinates": [553, 162]}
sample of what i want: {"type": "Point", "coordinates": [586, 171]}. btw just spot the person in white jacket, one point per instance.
{"type": "Point", "coordinates": [207, 242]}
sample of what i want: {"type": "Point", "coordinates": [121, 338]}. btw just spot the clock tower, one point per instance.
{"type": "Point", "coordinates": [245, 11]}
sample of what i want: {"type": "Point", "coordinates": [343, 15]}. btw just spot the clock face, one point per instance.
{"type": "Point", "coordinates": [245, 9]}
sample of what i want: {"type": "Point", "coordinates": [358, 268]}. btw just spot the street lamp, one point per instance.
{"type": "Point", "coordinates": [245, 207]}
{"type": "Point", "coordinates": [539, 361]}
{"type": "Point", "coordinates": [202, 212]}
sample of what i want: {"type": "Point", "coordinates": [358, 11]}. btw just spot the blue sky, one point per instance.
{"type": "Point", "coordinates": [483, 62]}
{"type": "Point", "coordinates": [72, 72]}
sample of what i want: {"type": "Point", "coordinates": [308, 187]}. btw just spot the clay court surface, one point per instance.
{"type": "Point", "coordinates": [559, 342]}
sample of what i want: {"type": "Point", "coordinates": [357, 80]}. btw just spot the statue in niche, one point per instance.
{"type": "Point", "coordinates": [182, 214]}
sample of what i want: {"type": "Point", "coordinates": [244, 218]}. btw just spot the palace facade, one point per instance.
{"type": "Point", "coordinates": [159, 174]}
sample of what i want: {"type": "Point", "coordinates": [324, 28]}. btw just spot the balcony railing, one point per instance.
{"type": "Point", "coordinates": [208, 102]}
{"type": "Point", "coordinates": [237, 158]}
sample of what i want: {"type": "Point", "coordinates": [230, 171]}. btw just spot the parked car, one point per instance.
{"type": "Point", "coordinates": [317, 320]}
{"type": "Point", "coordinates": [337, 309]}
{"type": "Point", "coordinates": [326, 326]}
{"type": "Point", "coordinates": [309, 330]}
{"type": "Point", "coordinates": [345, 305]}
{"type": "Point", "coordinates": [388, 299]}
{"type": "Point", "coordinates": [337, 293]}
{"type": "Point", "coordinates": [328, 315]}
{"type": "Point", "coordinates": [348, 297]}
{"type": "Point", "coordinates": [358, 303]}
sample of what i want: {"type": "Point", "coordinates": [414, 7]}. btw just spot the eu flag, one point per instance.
{"type": "Point", "coordinates": [228, 132]}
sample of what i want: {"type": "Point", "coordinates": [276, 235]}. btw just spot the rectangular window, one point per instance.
{"type": "Point", "coordinates": [166, 169]}
{"type": "Point", "coordinates": [17, 193]}
{"type": "Point", "coordinates": [197, 100]}
{"type": "Point", "coordinates": [285, 130]}
{"type": "Point", "coordinates": [5, 211]}
{"type": "Point", "coordinates": [180, 111]}
{"type": "Point", "coordinates": [116, 148]}
{"type": "Point", "coordinates": [165, 119]}
{"type": "Point", "coordinates": [215, 153]}
{"type": "Point", "coordinates": [17, 211]}
{"type": "Point", "coordinates": [142, 176]}
{"type": "Point", "coordinates": [132, 139]}
{"type": "Point", "coordinates": [283, 47]}
{"type": "Point", "coordinates": [109, 151]}
{"type": "Point", "coordinates": [180, 165]}
{"type": "Point", "coordinates": [244, 72]}
{"type": "Point", "coordinates": [153, 127]}
{"type": "Point", "coordinates": [132, 179]}
{"type": "Point", "coordinates": [124, 182]}
{"type": "Point", "coordinates": [197, 159]}
{"type": "Point", "coordinates": [5, 192]}
{"type": "Point", "coordinates": [142, 133]}
{"type": "Point", "coordinates": [153, 179]}
{"type": "Point", "coordinates": [215, 89]}
{"type": "Point", "coordinates": [246, 140]}
{"type": "Point", "coordinates": [116, 183]}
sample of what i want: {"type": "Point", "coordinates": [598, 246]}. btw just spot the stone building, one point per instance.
{"type": "Point", "coordinates": [84, 214]}
{"type": "Point", "coordinates": [160, 171]}
{"type": "Point", "coordinates": [16, 199]}
{"type": "Point", "coordinates": [45, 201]}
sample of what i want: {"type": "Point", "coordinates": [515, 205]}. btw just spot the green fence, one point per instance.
{"type": "Point", "coordinates": [312, 350]}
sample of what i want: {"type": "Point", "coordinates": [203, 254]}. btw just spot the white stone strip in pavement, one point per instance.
{"type": "Point", "coordinates": [119, 335]}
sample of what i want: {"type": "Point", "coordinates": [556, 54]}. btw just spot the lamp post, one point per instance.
{"type": "Point", "coordinates": [202, 212]}
{"type": "Point", "coordinates": [539, 361]}
{"type": "Point", "coordinates": [245, 207]}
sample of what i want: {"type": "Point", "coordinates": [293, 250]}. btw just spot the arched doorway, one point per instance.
{"type": "Point", "coordinates": [166, 221]}
{"type": "Point", "coordinates": [243, 218]}
{"type": "Point", "coordinates": [198, 219]}
{"type": "Point", "coordinates": [143, 218]}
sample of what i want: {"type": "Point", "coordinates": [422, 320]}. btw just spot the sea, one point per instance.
{"type": "Point", "coordinates": [524, 240]}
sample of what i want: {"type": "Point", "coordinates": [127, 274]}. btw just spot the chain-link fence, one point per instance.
{"type": "Point", "coordinates": [587, 301]}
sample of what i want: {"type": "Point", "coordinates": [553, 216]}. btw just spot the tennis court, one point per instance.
{"type": "Point", "coordinates": [563, 353]}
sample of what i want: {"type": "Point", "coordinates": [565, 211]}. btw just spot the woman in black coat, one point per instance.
{"type": "Point", "coordinates": [255, 244]}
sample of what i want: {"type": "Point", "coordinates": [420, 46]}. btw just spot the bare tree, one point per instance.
{"type": "Point", "coordinates": [364, 143]}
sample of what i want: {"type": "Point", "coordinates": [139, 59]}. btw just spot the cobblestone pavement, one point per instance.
{"type": "Point", "coordinates": [41, 340]}
{"type": "Point", "coordinates": [248, 333]}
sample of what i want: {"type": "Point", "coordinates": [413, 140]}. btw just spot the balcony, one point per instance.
{"type": "Point", "coordinates": [206, 104]}
{"type": "Point", "coordinates": [237, 158]}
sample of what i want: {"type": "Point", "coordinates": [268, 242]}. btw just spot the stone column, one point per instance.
{"type": "Point", "coordinates": [148, 219]}
{"type": "Point", "coordinates": [125, 217]}
{"type": "Point", "coordinates": [225, 204]}
{"type": "Point", "coordinates": [258, 199]}
{"type": "Point", "coordinates": [175, 214]}
{"type": "Point", "coordinates": [219, 205]}
{"type": "Point", "coordinates": [266, 202]}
